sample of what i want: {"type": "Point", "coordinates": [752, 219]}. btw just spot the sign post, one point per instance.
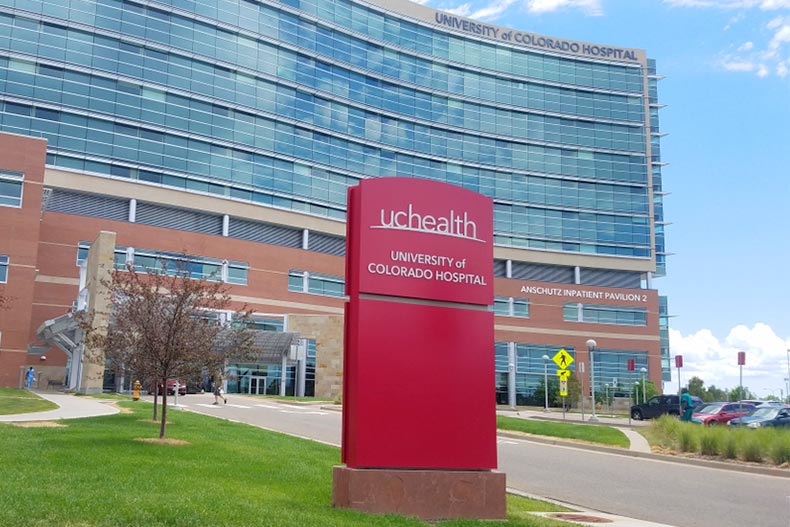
{"type": "Point", "coordinates": [741, 364]}
{"type": "Point", "coordinates": [563, 359]}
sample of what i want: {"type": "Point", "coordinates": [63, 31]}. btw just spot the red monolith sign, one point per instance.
{"type": "Point", "coordinates": [419, 364]}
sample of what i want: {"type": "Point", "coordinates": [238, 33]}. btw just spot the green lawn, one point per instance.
{"type": "Point", "coordinates": [96, 472]}
{"type": "Point", "coordinates": [13, 401]}
{"type": "Point", "coordinates": [593, 434]}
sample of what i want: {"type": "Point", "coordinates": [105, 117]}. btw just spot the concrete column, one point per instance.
{"type": "Point", "coordinates": [508, 268]}
{"type": "Point", "coordinates": [511, 373]}
{"type": "Point", "coordinates": [305, 239]}
{"type": "Point", "coordinates": [283, 373]}
{"type": "Point", "coordinates": [98, 274]}
{"type": "Point", "coordinates": [577, 275]}
{"type": "Point", "coordinates": [225, 225]}
{"type": "Point", "coordinates": [132, 210]}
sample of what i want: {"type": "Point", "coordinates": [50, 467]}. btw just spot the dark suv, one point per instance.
{"type": "Point", "coordinates": [660, 405]}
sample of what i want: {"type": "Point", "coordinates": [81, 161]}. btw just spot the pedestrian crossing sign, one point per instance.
{"type": "Point", "coordinates": [563, 359]}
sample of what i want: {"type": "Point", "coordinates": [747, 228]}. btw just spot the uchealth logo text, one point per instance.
{"type": "Point", "coordinates": [453, 224]}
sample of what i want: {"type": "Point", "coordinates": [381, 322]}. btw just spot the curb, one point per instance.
{"type": "Point", "coordinates": [709, 463]}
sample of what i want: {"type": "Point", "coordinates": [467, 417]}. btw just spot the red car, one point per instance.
{"type": "Point", "coordinates": [720, 413]}
{"type": "Point", "coordinates": [171, 388]}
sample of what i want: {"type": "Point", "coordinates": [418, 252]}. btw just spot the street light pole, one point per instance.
{"type": "Point", "coordinates": [788, 375]}
{"type": "Point", "coordinates": [643, 370]}
{"type": "Point", "coordinates": [591, 344]}
{"type": "Point", "coordinates": [546, 383]}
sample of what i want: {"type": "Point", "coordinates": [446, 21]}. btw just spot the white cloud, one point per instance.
{"type": "Point", "coordinates": [590, 7]}
{"type": "Point", "coordinates": [782, 69]}
{"type": "Point", "coordinates": [461, 10]}
{"type": "Point", "coordinates": [746, 46]}
{"type": "Point", "coordinates": [765, 5]}
{"type": "Point", "coordinates": [493, 10]}
{"type": "Point", "coordinates": [782, 36]}
{"type": "Point", "coordinates": [730, 64]}
{"type": "Point", "coordinates": [716, 361]}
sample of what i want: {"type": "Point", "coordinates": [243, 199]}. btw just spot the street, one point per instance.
{"type": "Point", "coordinates": [648, 489]}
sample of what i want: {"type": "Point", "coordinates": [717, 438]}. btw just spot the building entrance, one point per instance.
{"type": "Point", "coordinates": [256, 385]}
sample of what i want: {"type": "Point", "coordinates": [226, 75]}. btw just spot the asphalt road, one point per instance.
{"type": "Point", "coordinates": [647, 489]}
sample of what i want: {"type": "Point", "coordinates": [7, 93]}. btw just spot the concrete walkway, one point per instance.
{"type": "Point", "coordinates": [69, 407]}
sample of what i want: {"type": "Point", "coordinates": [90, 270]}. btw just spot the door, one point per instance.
{"type": "Point", "coordinates": [257, 385]}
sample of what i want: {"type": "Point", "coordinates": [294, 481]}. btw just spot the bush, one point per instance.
{"type": "Point", "coordinates": [687, 439]}
{"type": "Point", "coordinates": [779, 451]}
{"type": "Point", "coordinates": [711, 439]}
{"type": "Point", "coordinates": [729, 446]}
{"type": "Point", "coordinates": [752, 449]}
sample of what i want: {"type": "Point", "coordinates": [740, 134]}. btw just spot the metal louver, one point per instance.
{"type": "Point", "coordinates": [81, 204]}
{"type": "Point", "coordinates": [542, 273]}
{"type": "Point", "coordinates": [258, 231]}
{"type": "Point", "coordinates": [181, 219]}
{"type": "Point", "coordinates": [611, 278]}
{"type": "Point", "coordinates": [327, 244]}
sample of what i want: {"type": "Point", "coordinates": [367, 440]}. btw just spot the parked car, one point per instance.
{"type": "Point", "coordinates": [765, 415]}
{"type": "Point", "coordinates": [660, 405]}
{"type": "Point", "coordinates": [171, 388]}
{"type": "Point", "coordinates": [758, 403]}
{"type": "Point", "coordinates": [720, 413]}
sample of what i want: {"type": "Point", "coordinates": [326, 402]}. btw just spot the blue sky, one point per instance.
{"type": "Point", "coordinates": [727, 91]}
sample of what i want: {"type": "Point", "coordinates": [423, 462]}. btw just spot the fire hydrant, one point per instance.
{"type": "Point", "coordinates": [136, 390]}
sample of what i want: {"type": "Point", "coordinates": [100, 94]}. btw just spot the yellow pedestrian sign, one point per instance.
{"type": "Point", "coordinates": [563, 374]}
{"type": "Point", "coordinates": [563, 359]}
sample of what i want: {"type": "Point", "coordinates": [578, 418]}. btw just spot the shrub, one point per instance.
{"type": "Point", "coordinates": [710, 440]}
{"type": "Point", "coordinates": [729, 446]}
{"type": "Point", "coordinates": [687, 438]}
{"type": "Point", "coordinates": [752, 448]}
{"type": "Point", "coordinates": [779, 451]}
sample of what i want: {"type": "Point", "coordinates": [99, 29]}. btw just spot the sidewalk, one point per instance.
{"type": "Point", "coordinates": [70, 407]}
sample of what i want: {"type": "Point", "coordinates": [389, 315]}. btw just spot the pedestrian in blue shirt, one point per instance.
{"type": "Point", "coordinates": [31, 374]}
{"type": "Point", "coordinates": [686, 405]}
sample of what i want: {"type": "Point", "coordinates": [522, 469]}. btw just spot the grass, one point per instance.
{"type": "Point", "coordinates": [603, 435]}
{"type": "Point", "coordinates": [13, 401]}
{"type": "Point", "coordinates": [97, 473]}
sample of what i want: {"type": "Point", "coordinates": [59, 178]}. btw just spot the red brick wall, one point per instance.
{"type": "Point", "coordinates": [19, 241]}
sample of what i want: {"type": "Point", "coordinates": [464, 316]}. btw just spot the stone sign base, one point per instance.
{"type": "Point", "coordinates": [426, 494]}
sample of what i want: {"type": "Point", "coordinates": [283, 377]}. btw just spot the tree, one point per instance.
{"type": "Point", "coordinates": [696, 387]}
{"type": "Point", "coordinates": [165, 325]}
{"type": "Point", "coordinates": [740, 393]}
{"type": "Point", "coordinates": [714, 394]}
{"type": "Point", "coordinates": [574, 392]}
{"type": "Point", "coordinates": [650, 390]}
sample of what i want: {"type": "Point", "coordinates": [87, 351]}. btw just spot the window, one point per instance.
{"type": "Point", "coordinates": [11, 188]}
{"type": "Point", "coordinates": [198, 267]}
{"type": "Point", "coordinates": [3, 269]}
{"type": "Point", "coordinates": [511, 307]}
{"type": "Point", "coordinates": [315, 283]}
{"type": "Point", "coordinates": [599, 314]}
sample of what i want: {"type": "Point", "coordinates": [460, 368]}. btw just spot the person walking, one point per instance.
{"type": "Point", "coordinates": [686, 405]}
{"type": "Point", "coordinates": [219, 393]}
{"type": "Point", "coordinates": [30, 375]}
